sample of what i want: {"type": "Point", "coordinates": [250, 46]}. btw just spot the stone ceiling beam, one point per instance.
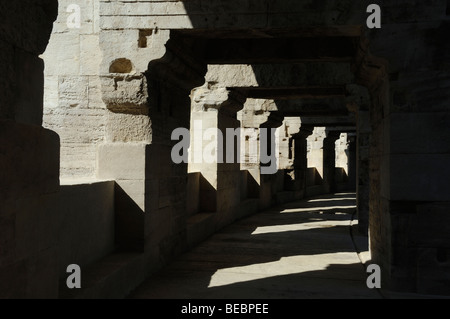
{"type": "Point", "coordinates": [289, 93]}
{"type": "Point", "coordinates": [281, 50]}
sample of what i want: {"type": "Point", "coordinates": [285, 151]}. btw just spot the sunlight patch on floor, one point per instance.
{"type": "Point", "coordinates": [316, 209]}
{"type": "Point", "coordinates": [315, 266]}
{"type": "Point", "coordinates": [313, 223]}
{"type": "Point", "coordinates": [330, 200]}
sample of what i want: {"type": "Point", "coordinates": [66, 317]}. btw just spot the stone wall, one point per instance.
{"type": "Point", "coordinates": [410, 110]}
{"type": "Point", "coordinates": [118, 86]}
{"type": "Point", "coordinates": [73, 105]}
{"type": "Point", "coordinates": [29, 157]}
{"type": "Point", "coordinates": [86, 224]}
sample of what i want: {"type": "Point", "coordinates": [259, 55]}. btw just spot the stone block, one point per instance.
{"type": "Point", "coordinates": [51, 92]}
{"type": "Point", "coordinates": [158, 225]}
{"type": "Point", "coordinates": [129, 222]}
{"type": "Point", "coordinates": [431, 228]}
{"type": "Point", "coordinates": [74, 125]}
{"type": "Point", "coordinates": [420, 133]}
{"type": "Point", "coordinates": [227, 200]}
{"type": "Point", "coordinates": [208, 196]}
{"type": "Point", "coordinates": [433, 269]}
{"type": "Point", "coordinates": [200, 227]}
{"type": "Point", "coordinates": [135, 190]}
{"type": "Point", "coordinates": [36, 225]}
{"type": "Point", "coordinates": [168, 191]}
{"type": "Point", "coordinates": [28, 267]}
{"type": "Point", "coordinates": [42, 275]}
{"type": "Point", "coordinates": [90, 55]}
{"type": "Point", "coordinates": [125, 93]}
{"type": "Point", "coordinates": [193, 193]}
{"type": "Point", "coordinates": [128, 128]}
{"type": "Point", "coordinates": [159, 162]}
{"type": "Point", "coordinates": [73, 92]}
{"type": "Point", "coordinates": [419, 177]}
{"type": "Point", "coordinates": [95, 93]}
{"type": "Point", "coordinates": [122, 161]}
{"type": "Point", "coordinates": [85, 228]}
{"type": "Point", "coordinates": [29, 158]}
{"type": "Point", "coordinates": [151, 195]}
{"type": "Point", "coordinates": [124, 44]}
{"type": "Point", "coordinates": [87, 17]}
{"type": "Point", "coordinates": [62, 56]}
{"type": "Point", "coordinates": [78, 160]}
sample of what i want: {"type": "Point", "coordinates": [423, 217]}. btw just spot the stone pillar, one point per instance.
{"type": "Point", "coordinates": [297, 180]}
{"type": "Point", "coordinates": [352, 141]}
{"type": "Point", "coordinates": [363, 169]}
{"type": "Point", "coordinates": [29, 156]}
{"type": "Point", "coordinates": [268, 168]}
{"type": "Point", "coordinates": [258, 114]}
{"type": "Point", "coordinates": [359, 103]}
{"type": "Point", "coordinates": [329, 160]}
{"type": "Point", "coordinates": [215, 149]}
{"type": "Point", "coordinates": [315, 149]}
{"type": "Point", "coordinates": [149, 103]}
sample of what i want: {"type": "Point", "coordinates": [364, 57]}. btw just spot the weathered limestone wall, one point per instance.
{"type": "Point", "coordinates": [86, 224]}
{"type": "Point", "coordinates": [29, 163]}
{"type": "Point", "coordinates": [408, 125]}
{"type": "Point", "coordinates": [72, 102]}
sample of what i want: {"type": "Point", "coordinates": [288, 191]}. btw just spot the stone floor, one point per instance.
{"type": "Point", "coordinates": [309, 249]}
{"type": "Point", "coordinates": [304, 249]}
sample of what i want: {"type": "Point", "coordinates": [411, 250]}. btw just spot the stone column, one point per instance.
{"type": "Point", "coordinates": [148, 103]}
{"type": "Point", "coordinates": [329, 160]}
{"type": "Point", "coordinates": [29, 156]}
{"type": "Point", "coordinates": [359, 103]}
{"type": "Point", "coordinates": [215, 149]}
{"type": "Point", "coordinates": [352, 141]}
{"type": "Point", "coordinates": [315, 154]}
{"type": "Point", "coordinates": [268, 168]}
{"type": "Point", "coordinates": [258, 114]}
{"type": "Point", "coordinates": [363, 170]}
{"type": "Point", "coordinates": [297, 180]}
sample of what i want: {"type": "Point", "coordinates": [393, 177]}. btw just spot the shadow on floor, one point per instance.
{"type": "Point", "coordinates": [296, 250]}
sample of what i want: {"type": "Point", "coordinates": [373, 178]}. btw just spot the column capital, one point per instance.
{"type": "Point", "coordinates": [206, 98]}
{"type": "Point", "coordinates": [304, 132]}
{"type": "Point", "coordinates": [274, 120]}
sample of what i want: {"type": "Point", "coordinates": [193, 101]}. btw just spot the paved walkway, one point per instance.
{"type": "Point", "coordinates": [298, 250]}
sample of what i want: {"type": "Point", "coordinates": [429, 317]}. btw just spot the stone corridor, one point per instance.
{"type": "Point", "coordinates": [304, 249]}
{"type": "Point", "coordinates": [131, 131]}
